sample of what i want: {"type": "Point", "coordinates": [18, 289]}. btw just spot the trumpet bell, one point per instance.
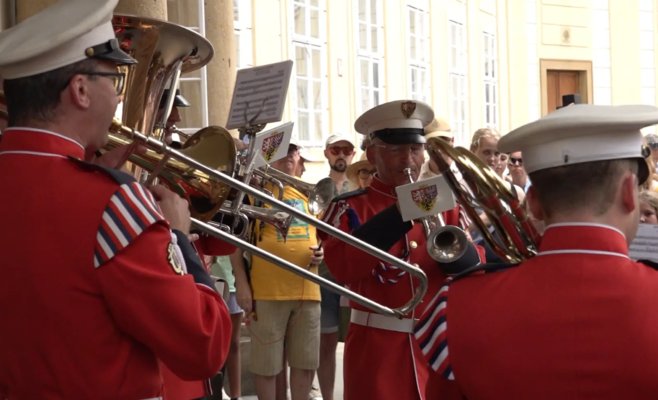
{"type": "Point", "coordinates": [447, 244]}
{"type": "Point", "coordinates": [321, 195]}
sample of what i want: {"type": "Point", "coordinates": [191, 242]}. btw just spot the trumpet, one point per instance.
{"type": "Point", "coordinates": [445, 243]}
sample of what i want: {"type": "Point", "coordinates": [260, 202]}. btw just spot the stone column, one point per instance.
{"type": "Point", "coordinates": [151, 8]}
{"type": "Point", "coordinates": [221, 70]}
{"type": "Point", "coordinates": [27, 8]}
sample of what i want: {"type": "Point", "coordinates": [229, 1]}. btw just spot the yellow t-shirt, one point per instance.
{"type": "Point", "coordinates": [271, 282]}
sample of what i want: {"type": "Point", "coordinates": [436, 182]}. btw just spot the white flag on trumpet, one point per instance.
{"type": "Point", "coordinates": [425, 198]}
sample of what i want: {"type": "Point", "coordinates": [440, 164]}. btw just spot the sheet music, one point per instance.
{"type": "Point", "coordinates": [645, 244]}
{"type": "Point", "coordinates": [259, 95]}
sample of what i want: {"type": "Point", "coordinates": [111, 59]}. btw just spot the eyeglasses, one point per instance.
{"type": "Point", "coordinates": [118, 79]}
{"type": "Point", "coordinates": [398, 149]}
{"type": "Point", "coordinates": [365, 173]}
{"type": "Point", "coordinates": [516, 161]}
{"type": "Point", "coordinates": [346, 150]}
{"type": "Point", "coordinates": [653, 145]}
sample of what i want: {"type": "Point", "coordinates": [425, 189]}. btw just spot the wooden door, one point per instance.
{"type": "Point", "coordinates": [559, 83]}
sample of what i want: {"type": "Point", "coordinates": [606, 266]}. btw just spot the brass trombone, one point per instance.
{"type": "Point", "coordinates": [118, 129]}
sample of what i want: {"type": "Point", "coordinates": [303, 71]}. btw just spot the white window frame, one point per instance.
{"type": "Point", "coordinates": [490, 80]}
{"type": "Point", "coordinates": [309, 132]}
{"type": "Point", "coordinates": [202, 79]}
{"type": "Point", "coordinates": [458, 80]}
{"type": "Point", "coordinates": [369, 90]}
{"type": "Point", "coordinates": [243, 32]}
{"type": "Point", "coordinates": [418, 39]}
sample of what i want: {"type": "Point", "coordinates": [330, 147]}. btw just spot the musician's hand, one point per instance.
{"type": "Point", "coordinates": [318, 255]}
{"type": "Point", "coordinates": [174, 208]}
{"type": "Point", "coordinates": [115, 158]}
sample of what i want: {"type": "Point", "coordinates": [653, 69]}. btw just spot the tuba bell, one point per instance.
{"type": "Point", "coordinates": [486, 190]}
{"type": "Point", "coordinates": [164, 50]}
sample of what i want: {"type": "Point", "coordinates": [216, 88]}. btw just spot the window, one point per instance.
{"type": "Point", "coordinates": [418, 31]}
{"type": "Point", "coordinates": [309, 47]}
{"type": "Point", "coordinates": [242, 28]}
{"type": "Point", "coordinates": [458, 81]}
{"type": "Point", "coordinates": [490, 80]}
{"type": "Point", "coordinates": [193, 85]}
{"type": "Point", "coordinates": [370, 58]}
{"type": "Point", "coordinates": [647, 53]}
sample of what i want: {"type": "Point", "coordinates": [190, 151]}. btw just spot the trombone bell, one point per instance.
{"type": "Point", "coordinates": [212, 146]}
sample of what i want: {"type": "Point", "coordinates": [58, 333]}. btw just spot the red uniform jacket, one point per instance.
{"type": "Point", "coordinates": [578, 321]}
{"type": "Point", "coordinates": [382, 364]}
{"type": "Point", "coordinates": [175, 387]}
{"type": "Point", "coordinates": [91, 294]}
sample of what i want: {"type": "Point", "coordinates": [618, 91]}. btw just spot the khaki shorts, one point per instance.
{"type": "Point", "coordinates": [293, 325]}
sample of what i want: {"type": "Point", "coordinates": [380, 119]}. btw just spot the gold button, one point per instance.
{"type": "Point", "coordinates": [413, 244]}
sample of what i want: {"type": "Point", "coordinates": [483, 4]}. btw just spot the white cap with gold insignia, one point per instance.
{"type": "Point", "coordinates": [581, 133]}
{"type": "Point", "coordinates": [396, 122]}
{"type": "Point", "coordinates": [64, 33]}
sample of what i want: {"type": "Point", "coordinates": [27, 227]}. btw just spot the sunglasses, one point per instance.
{"type": "Point", "coordinates": [515, 161]}
{"type": "Point", "coordinates": [653, 145]}
{"type": "Point", "coordinates": [346, 150]}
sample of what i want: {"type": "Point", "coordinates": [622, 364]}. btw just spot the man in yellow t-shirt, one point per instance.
{"type": "Point", "coordinates": [286, 307]}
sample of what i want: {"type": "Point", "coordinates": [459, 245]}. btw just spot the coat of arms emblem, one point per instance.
{"type": "Point", "coordinates": [425, 197]}
{"type": "Point", "coordinates": [408, 108]}
{"type": "Point", "coordinates": [271, 145]}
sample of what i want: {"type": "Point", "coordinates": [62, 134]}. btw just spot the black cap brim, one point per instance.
{"type": "Point", "coordinates": [110, 51]}
{"type": "Point", "coordinates": [400, 136]}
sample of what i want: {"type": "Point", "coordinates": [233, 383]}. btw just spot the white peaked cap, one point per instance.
{"type": "Point", "coordinates": [581, 133]}
{"type": "Point", "coordinates": [399, 121]}
{"type": "Point", "coordinates": [64, 33]}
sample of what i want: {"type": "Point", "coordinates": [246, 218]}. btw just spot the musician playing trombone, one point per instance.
{"type": "Point", "coordinates": [99, 280]}
{"type": "Point", "coordinates": [381, 361]}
